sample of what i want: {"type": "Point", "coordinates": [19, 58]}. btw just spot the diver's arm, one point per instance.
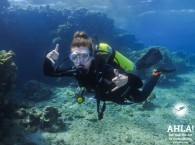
{"type": "Point", "coordinates": [117, 77]}
{"type": "Point", "coordinates": [49, 65]}
{"type": "Point", "coordinates": [49, 70]}
{"type": "Point", "coordinates": [120, 80]}
{"type": "Point", "coordinates": [133, 80]}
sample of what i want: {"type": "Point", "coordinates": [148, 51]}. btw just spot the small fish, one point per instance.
{"type": "Point", "coordinates": [180, 108]}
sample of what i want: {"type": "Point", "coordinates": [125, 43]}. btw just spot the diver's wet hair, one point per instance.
{"type": "Point", "coordinates": [81, 39]}
{"type": "Point", "coordinates": [80, 34]}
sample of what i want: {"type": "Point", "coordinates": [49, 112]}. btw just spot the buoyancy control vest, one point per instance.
{"type": "Point", "coordinates": [116, 57]}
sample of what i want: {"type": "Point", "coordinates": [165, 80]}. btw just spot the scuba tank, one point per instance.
{"type": "Point", "coordinates": [118, 58]}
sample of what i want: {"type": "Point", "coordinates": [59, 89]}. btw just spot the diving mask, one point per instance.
{"type": "Point", "coordinates": [82, 55]}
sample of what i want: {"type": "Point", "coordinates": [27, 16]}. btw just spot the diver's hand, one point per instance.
{"type": "Point", "coordinates": [53, 55]}
{"type": "Point", "coordinates": [120, 80]}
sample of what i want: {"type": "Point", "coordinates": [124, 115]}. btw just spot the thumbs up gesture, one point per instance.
{"type": "Point", "coordinates": [120, 80]}
{"type": "Point", "coordinates": [54, 54]}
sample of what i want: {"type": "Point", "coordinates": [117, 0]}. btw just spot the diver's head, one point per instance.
{"type": "Point", "coordinates": [81, 50]}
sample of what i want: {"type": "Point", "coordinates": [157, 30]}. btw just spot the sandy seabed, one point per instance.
{"type": "Point", "coordinates": [125, 125]}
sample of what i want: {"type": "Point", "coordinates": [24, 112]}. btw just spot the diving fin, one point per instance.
{"type": "Point", "coordinates": [149, 59]}
{"type": "Point", "coordinates": [162, 71]}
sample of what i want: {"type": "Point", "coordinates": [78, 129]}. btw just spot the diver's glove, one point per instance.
{"type": "Point", "coordinates": [53, 55]}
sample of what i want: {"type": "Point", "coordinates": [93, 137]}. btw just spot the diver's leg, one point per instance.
{"type": "Point", "coordinates": [140, 96]}
{"type": "Point", "coordinates": [149, 86]}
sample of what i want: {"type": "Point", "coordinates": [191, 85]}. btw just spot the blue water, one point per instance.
{"type": "Point", "coordinates": [153, 22]}
{"type": "Point", "coordinates": [158, 22]}
{"type": "Point", "coordinates": [31, 28]}
{"type": "Point", "coordinates": [168, 23]}
{"type": "Point", "coordinates": [30, 32]}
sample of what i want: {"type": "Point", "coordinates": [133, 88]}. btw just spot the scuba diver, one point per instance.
{"type": "Point", "coordinates": [105, 71]}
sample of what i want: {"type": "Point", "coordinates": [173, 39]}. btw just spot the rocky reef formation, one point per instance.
{"type": "Point", "coordinates": [7, 71]}
{"type": "Point", "coordinates": [180, 61]}
{"type": "Point", "coordinates": [43, 27]}
{"type": "Point", "coordinates": [191, 59]}
{"type": "Point", "coordinates": [47, 119]}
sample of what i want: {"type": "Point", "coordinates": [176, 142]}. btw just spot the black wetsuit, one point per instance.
{"type": "Point", "coordinates": [130, 91]}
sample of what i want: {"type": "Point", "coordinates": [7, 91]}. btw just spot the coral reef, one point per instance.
{"type": "Point", "coordinates": [191, 59]}
{"type": "Point", "coordinates": [36, 91]}
{"type": "Point", "coordinates": [180, 61]}
{"type": "Point", "coordinates": [50, 25]}
{"type": "Point", "coordinates": [126, 42]}
{"type": "Point", "coordinates": [49, 120]}
{"type": "Point", "coordinates": [61, 120]}
{"type": "Point", "coordinates": [7, 81]}
{"type": "Point", "coordinates": [7, 120]}
{"type": "Point", "coordinates": [7, 71]}
{"type": "Point", "coordinates": [46, 120]}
